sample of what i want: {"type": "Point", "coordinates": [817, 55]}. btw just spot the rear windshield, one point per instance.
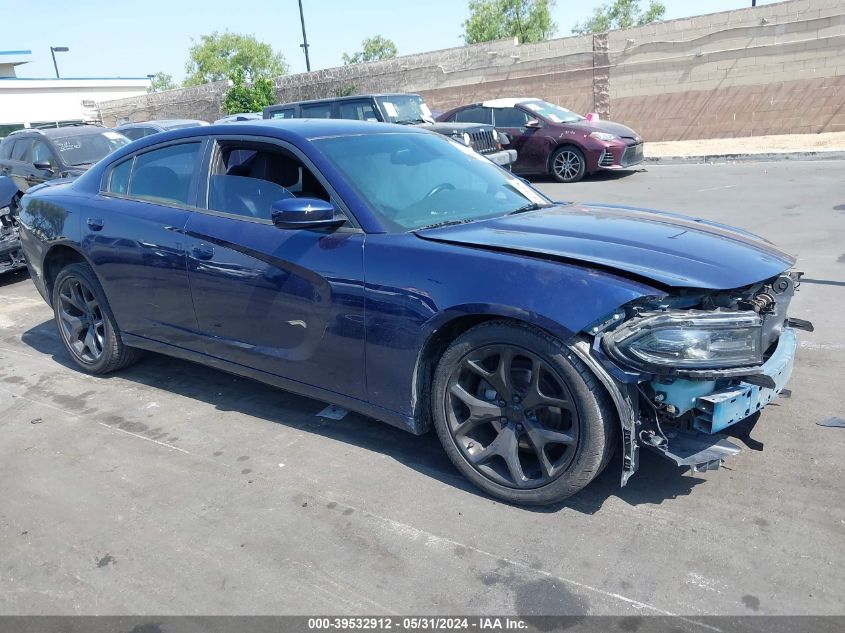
{"type": "Point", "coordinates": [86, 149]}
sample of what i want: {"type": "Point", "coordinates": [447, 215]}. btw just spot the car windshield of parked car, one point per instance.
{"type": "Point", "coordinates": [87, 149]}
{"type": "Point", "coordinates": [414, 181]}
{"type": "Point", "coordinates": [552, 112]}
{"type": "Point", "coordinates": [404, 109]}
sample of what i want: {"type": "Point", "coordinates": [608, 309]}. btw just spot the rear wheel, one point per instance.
{"type": "Point", "coordinates": [85, 322]}
{"type": "Point", "coordinates": [520, 415]}
{"type": "Point", "coordinates": [568, 164]}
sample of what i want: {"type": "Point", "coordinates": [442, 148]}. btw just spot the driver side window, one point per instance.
{"type": "Point", "coordinates": [41, 154]}
{"type": "Point", "coordinates": [510, 117]}
{"type": "Point", "coordinates": [247, 178]}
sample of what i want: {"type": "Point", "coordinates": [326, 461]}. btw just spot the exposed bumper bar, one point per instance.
{"type": "Point", "coordinates": [502, 158]}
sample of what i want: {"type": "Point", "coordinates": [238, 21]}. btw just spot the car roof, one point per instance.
{"type": "Point", "coordinates": [68, 130]}
{"type": "Point", "coordinates": [163, 123]}
{"type": "Point", "coordinates": [348, 98]}
{"type": "Point", "coordinates": [508, 102]}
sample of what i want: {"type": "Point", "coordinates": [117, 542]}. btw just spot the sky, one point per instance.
{"type": "Point", "coordinates": [116, 39]}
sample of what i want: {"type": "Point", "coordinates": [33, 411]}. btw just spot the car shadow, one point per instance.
{"type": "Point", "coordinates": [601, 176]}
{"type": "Point", "coordinates": [7, 279]}
{"type": "Point", "coordinates": [656, 481]}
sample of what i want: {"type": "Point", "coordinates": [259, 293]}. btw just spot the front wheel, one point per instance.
{"type": "Point", "coordinates": [520, 415]}
{"type": "Point", "coordinates": [85, 322]}
{"type": "Point", "coordinates": [568, 164]}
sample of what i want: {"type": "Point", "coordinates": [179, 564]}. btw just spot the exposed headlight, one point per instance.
{"type": "Point", "coordinates": [603, 136]}
{"type": "Point", "coordinates": [467, 139]}
{"type": "Point", "coordinates": [495, 136]}
{"type": "Point", "coordinates": [688, 340]}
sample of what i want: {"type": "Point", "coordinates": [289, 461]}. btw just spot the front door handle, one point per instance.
{"type": "Point", "coordinates": [203, 251]}
{"type": "Point", "coordinates": [95, 224]}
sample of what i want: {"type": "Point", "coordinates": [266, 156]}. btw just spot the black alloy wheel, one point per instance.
{"type": "Point", "coordinates": [81, 321]}
{"type": "Point", "coordinates": [512, 417]}
{"type": "Point", "coordinates": [520, 415]}
{"type": "Point", "coordinates": [86, 325]}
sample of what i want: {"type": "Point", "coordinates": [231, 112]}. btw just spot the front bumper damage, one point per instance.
{"type": "Point", "coordinates": [685, 416]}
{"type": "Point", "coordinates": [11, 255]}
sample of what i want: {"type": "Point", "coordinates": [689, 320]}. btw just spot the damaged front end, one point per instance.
{"type": "Point", "coordinates": [689, 368]}
{"type": "Point", "coordinates": [11, 255]}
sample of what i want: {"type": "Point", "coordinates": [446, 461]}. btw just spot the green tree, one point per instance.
{"type": "Point", "coordinates": [216, 56]}
{"type": "Point", "coordinates": [621, 14]}
{"type": "Point", "coordinates": [248, 97]}
{"type": "Point", "coordinates": [375, 49]}
{"type": "Point", "coordinates": [527, 20]}
{"type": "Point", "coordinates": [160, 82]}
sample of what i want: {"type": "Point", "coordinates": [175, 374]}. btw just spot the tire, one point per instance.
{"type": "Point", "coordinates": [495, 432]}
{"type": "Point", "coordinates": [568, 164]}
{"type": "Point", "coordinates": [86, 324]}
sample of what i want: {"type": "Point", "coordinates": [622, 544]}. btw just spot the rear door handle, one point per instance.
{"type": "Point", "coordinates": [202, 251]}
{"type": "Point", "coordinates": [95, 224]}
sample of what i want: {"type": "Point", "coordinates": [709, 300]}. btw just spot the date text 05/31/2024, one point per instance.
{"type": "Point", "coordinates": [417, 623]}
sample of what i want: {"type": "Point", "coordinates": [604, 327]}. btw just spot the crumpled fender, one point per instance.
{"type": "Point", "coordinates": [8, 191]}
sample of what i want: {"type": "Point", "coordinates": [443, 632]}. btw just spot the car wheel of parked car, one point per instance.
{"type": "Point", "coordinates": [86, 324]}
{"type": "Point", "coordinates": [568, 164]}
{"type": "Point", "coordinates": [520, 415]}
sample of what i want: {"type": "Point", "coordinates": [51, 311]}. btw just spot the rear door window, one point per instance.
{"type": "Point", "coordinates": [510, 117]}
{"type": "Point", "coordinates": [357, 110]}
{"type": "Point", "coordinates": [119, 178]}
{"type": "Point", "coordinates": [22, 150]}
{"type": "Point", "coordinates": [317, 111]}
{"type": "Point", "coordinates": [6, 148]}
{"type": "Point", "coordinates": [287, 113]}
{"type": "Point", "coordinates": [164, 175]}
{"type": "Point", "coordinates": [475, 115]}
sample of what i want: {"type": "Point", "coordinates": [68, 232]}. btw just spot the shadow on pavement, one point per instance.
{"type": "Point", "coordinates": [601, 176]}
{"type": "Point", "coordinates": [656, 481]}
{"type": "Point", "coordinates": [7, 279]}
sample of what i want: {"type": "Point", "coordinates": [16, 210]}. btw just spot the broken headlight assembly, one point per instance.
{"type": "Point", "coordinates": [690, 339]}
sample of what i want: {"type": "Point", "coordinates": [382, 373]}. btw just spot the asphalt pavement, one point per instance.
{"type": "Point", "coordinates": [170, 488]}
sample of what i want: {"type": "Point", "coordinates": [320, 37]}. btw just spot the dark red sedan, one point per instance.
{"type": "Point", "coordinates": [552, 140]}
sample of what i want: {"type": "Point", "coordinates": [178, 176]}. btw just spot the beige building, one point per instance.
{"type": "Point", "coordinates": [26, 102]}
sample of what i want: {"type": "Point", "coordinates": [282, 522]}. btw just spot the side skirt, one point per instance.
{"type": "Point", "coordinates": [393, 418]}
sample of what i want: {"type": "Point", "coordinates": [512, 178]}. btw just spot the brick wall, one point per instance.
{"type": "Point", "coordinates": [778, 68]}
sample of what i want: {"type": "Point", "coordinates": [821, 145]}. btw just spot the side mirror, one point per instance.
{"type": "Point", "coordinates": [304, 213]}
{"type": "Point", "coordinates": [534, 123]}
{"type": "Point", "coordinates": [43, 165]}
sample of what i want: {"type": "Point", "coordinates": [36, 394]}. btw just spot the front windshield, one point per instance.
{"type": "Point", "coordinates": [85, 149]}
{"type": "Point", "coordinates": [404, 109]}
{"type": "Point", "coordinates": [552, 112]}
{"type": "Point", "coordinates": [414, 181]}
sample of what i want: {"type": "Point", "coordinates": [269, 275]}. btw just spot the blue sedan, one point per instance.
{"type": "Point", "coordinates": [394, 272]}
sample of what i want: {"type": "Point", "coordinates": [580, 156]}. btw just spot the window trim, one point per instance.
{"type": "Point", "coordinates": [213, 150]}
{"type": "Point", "coordinates": [528, 117]}
{"type": "Point", "coordinates": [105, 180]}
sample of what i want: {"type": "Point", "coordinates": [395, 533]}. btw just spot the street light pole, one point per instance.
{"type": "Point", "coordinates": [304, 45]}
{"type": "Point", "coordinates": [53, 51]}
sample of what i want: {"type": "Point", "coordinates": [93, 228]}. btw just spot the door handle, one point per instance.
{"type": "Point", "coordinates": [95, 224]}
{"type": "Point", "coordinates": [202, 251]}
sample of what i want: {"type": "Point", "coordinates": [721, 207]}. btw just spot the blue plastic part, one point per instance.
{"type": "Point", "coordinates": [724, 408]}
{"type": "Point", "coordinates": [683, 394]}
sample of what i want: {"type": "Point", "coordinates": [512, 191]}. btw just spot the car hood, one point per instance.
{"type": "Point", "coordinates": [670, 249]}
{"type": "Point", "coordinates": [450, 128]}
{"type": "Point", "coordinates": [622, 131]}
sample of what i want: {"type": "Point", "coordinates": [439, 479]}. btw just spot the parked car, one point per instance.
{"type": "Point", "coordinates": [243, 116]}
{"type": "Point", "coordinates": [405, 109]}
{"type": "Point", "coordinates": [31, 156]}
{"type": "Point", "coordinates": [552, 140]}
{"type": "Point", "coordinates": [134, 131]}
{"type": "Point", "coordinates": [401, 275]}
